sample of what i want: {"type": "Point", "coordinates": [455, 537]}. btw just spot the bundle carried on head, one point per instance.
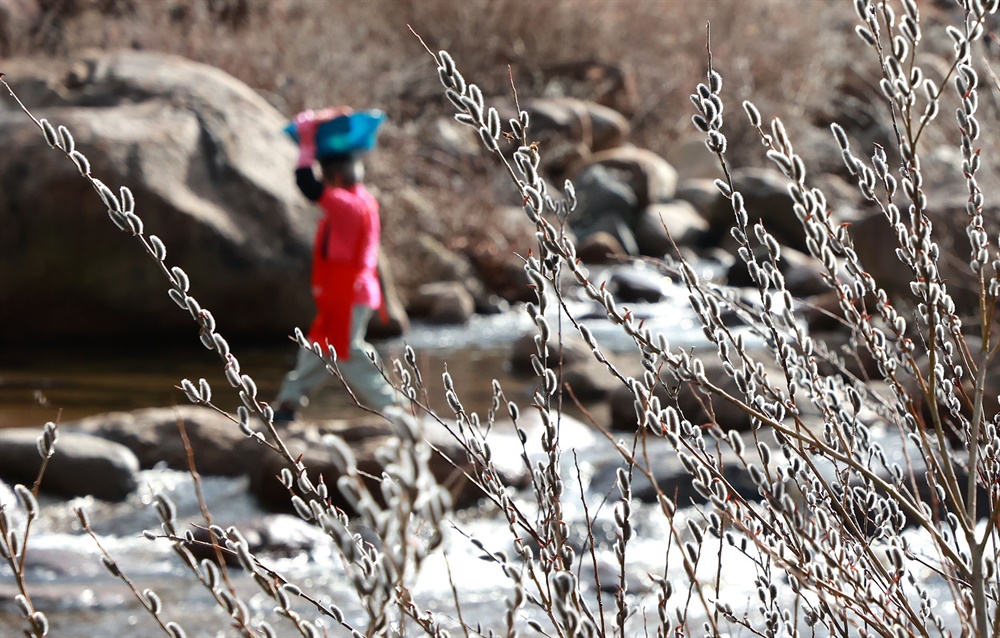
{"type": "Point", "coordinates": [338, 131]}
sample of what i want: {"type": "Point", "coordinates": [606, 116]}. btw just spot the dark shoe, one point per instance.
{"type": "Point", "coordinates": [284, 414]}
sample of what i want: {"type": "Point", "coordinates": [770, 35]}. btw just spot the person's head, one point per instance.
{"type": "Point", "coordinates": [342, 170]}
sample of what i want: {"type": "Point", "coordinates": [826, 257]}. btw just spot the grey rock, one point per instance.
{"type": "Point", "coordinates": [276, 534]}
{"type": "Point", "coordinates": [367, 440]}
{"type": "Point", "coordinates": [600, 248]}
{"type": "Point", "coordinates": [394, 321]}
{"type": "Point", "coordinates": [83, 465]}
{"type": "Point", "coordinates": [692, 159]}
{"type": "Point", "coordinates": [602, 194]}
{"type": "Point", "coordinates": [569, 129]}
{"type": "Point", "coordinates": [152, 434]}
{"type": "Point", "coordinates": [875, 243]}
{"type": "Point", "coordinates": [766, 198]}
{"type": "Point", "coordinates": [650, 177]}
{"type": "Point", "coordinates": [700, 193]}
{"type": "Point", "coordinates": [210, 169]}
{"type": "Point", "coordinates": [630, 286]}
{"type": "Point", "coordinates": [442, 302]}
{"type": "Point", "coordinates": [658, 223]}
{"type": "Point", "coordinates": [803, 274]}
{"type": "Point", "coordinates": [589, 380]}
{"type": "Point", "coordinates": [673, 480]}
{"type": "Point", "coordinates": [689, 400]}
{"type": "Point", "coordinates": [572, 350]}
{"type": "Point", "coordinates": [456, 140]}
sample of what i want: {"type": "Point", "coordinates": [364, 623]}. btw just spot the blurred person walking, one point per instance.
{"type": "Point", "coordinates": [345, 283]}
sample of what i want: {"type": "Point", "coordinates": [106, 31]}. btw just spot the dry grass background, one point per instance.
{"type": "Point", "coordinates": [797, 58]}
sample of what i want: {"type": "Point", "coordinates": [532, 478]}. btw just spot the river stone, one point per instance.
{"type": "Point", "coordinates": [638, 285]}
{"type": "Point", "coordinates": [693, 160]}
{"type": "Point", "coordinates": [672, 479]}
{"type": "Point", "coordinates": [391, 320]}
{"type": "Point", "coordinates": [457, 140]}
{"type": "Point", "coordinates": [367, 440]}
{"type": "Point", "coordinates": [442, 302]}
{"type": "Point", "coordinates": [823, 313]}
{"type": "Point", "coordinates": [691, 403]}
{"type": "Point", "coordinates": [589, 380]}
{"type": "Point", "coordinates": [650, 177]}
{"type": "Point", "coordinates": [152, 434]}
{"type": "Point", "coordinates": [83, 464]}
{"type": "Point", "coordinates": [572, 350]}
{"type": "Point", "coordinates": [597, 126]}
{"type": "Point", "coordinates": [600, 248]}
{"type": "Point", "coordinates": [875, 242]}
{"type": "Point", "coordinates": [700, 193]}
{"type": "Point", "coordinates": [803, 274]}
{"type": "Point", "coordinates": [618, 228]}
{"type": "Point", "coordinates": [609, 83]}
{"type": "Point", "coordinates": [429, 260]}
{"type": "Point", "coordinates": [602, 194]}
{"type": "Point", "coordinates": [275, 534]}
{"type": "Point", "coordinates": [766, 199]}
{"type": "Point", "coordinates": [678, 218]}
{"type": "Point", "coordinates": [210, 169]}
{"type": "Point", "coordinates": [568, 130]}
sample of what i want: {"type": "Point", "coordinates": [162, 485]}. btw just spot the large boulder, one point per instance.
{"type": "Point", "coordinates": [153, 435]}
{"type": "Point", "coordinates": [83, 464]}
{"type": "Point", "coordinates": [211, 171]}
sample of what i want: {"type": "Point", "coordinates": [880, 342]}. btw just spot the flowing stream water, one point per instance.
{"type": "Point", "coordinates": [81, 598]}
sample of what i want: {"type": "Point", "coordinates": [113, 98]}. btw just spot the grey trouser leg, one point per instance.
{"type": "Point", "coordinates": [367, 383]}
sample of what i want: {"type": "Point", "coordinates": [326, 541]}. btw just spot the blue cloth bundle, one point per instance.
{"type": "Point", "coordinates": [355, 132]}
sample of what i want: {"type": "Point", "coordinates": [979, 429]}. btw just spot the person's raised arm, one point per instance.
{"type": "Point", "coordinates": [306, 180]}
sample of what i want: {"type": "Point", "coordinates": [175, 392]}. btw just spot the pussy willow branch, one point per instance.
{"type": "Point", "coordinates": [205, 511]}
{"type": "Point", "coordinates": [8, 537]}
{"type": "Point", "coordinates": [113, 566]}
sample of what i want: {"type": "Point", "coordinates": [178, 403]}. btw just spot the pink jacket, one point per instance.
{"type": "Point", "coordinates": [345, 259]}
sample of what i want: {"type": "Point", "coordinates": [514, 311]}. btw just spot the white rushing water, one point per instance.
{"type": "Point", "coordinates": [81, 598]}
